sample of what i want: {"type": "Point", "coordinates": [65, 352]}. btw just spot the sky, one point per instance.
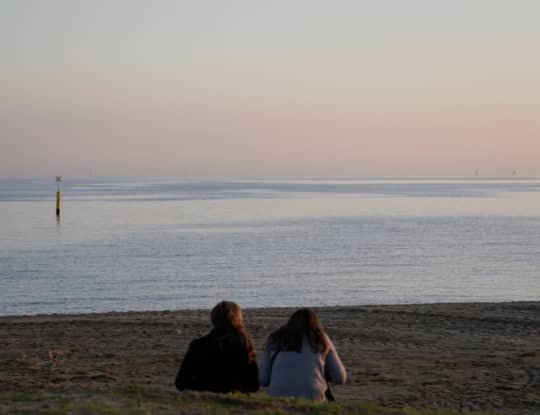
{"type": "Point", "coordinates": [247, 88]}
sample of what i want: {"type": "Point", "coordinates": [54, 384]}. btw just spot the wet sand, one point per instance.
{"type": "Point", "coordinates": [462, 356]}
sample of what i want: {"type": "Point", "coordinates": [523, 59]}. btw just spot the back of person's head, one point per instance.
{"type": "Point", "coordinates": [227, 317]}
{"type": "Point", "coordinates": [303, 323]}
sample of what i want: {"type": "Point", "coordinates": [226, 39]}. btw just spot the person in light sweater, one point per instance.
{"type": "Point", "coordinates": [299, 359]}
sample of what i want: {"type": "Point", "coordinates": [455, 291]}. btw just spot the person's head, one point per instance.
{"type": "Point", "coordinates": [227, 317]}
{"type": "Point", "coordinates": [303, 323]}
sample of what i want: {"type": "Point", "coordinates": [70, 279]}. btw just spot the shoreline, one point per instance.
{"type": "Point", "coordinates": [465, 356]}
{"type": "Point", "coordinates": [323, 307]}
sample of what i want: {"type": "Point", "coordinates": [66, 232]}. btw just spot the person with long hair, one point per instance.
{"type": "Point", "coordinates": [224, 359]}
{"type": "Point", "coordinates": [299, 359]}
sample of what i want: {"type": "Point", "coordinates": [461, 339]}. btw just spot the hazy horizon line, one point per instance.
{"type": "Point", "coordinates": [278, 177]}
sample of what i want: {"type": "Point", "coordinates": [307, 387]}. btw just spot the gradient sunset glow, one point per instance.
{"type": "Point", "coordinates": [249, 88]}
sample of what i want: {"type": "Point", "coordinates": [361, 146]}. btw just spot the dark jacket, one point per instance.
{"type": "Point", "coordinates": [218, 362]}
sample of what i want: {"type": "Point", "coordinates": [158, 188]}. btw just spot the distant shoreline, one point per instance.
{"type": "Point", "coordinates": [457, 355]}
{"type": "Point", "coordinates": [262, 309]}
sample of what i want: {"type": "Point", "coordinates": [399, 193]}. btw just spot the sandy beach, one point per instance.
{"type": "Point", "coordinates": [462, 356]}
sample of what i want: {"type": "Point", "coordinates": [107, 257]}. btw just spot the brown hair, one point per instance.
{"type": "Point", "coordinates": [302, 323]}
{"type": "Point", "coordinates": [227, 316]}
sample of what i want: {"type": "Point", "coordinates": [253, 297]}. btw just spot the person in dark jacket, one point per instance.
{"type": "Point", "coordinates": [224, 359]}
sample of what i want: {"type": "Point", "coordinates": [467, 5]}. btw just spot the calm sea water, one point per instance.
{"type": "Point", "coordinates": [171, 244]}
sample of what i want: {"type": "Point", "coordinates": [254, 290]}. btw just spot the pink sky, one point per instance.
{"type": "Point", "coordinates": [179, 88]}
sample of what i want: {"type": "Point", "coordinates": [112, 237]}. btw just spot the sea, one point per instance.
{"type": "Point", "coordinates": [163, 244]}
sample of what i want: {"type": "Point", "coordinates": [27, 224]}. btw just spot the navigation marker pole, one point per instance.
{"type": "Point", "coordinates": [58, 194]}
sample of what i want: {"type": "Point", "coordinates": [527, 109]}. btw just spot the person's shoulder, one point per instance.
{"type": "Point", "coordinates": [232, 340]}
{"type": "Point", "coordinates": [197, 342]}
{"type": "Point", "coordinates": [217, 340]}
{"type": "Point", "coordinates": [276, 339]}
{"type": "Point", "coordinates": [203, 341]}
{"type": "Point", "coordinates": [327, 346]}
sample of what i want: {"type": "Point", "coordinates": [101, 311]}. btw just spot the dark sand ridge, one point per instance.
{"type": "Point", "coordinates": [463, 356]}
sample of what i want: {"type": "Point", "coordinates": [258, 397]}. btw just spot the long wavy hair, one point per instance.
{"type": "Point", "coordinates": [227, 317]}
{"type": "Point", "coordinates": [303, 323]}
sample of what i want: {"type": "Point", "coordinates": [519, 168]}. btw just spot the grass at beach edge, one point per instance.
{"type": "Point", "coordinates": [139, 400]}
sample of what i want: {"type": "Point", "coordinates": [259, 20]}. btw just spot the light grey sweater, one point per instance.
{"type": "Point", "coordinates": [301, 374]}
